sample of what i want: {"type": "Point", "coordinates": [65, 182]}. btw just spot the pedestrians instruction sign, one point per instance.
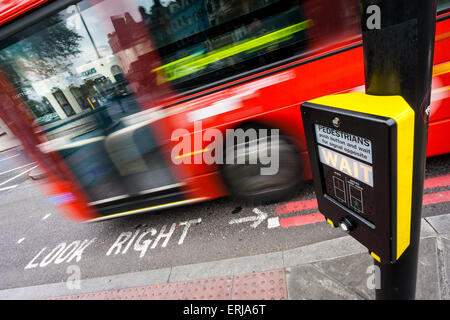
{"type": "Point", "coordinates": [344, 142]}
{"type": "Point", "coordinates": [361, 158]}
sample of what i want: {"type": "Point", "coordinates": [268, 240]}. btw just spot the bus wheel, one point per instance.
{"type": "Point", "coordinates": [256, 181]}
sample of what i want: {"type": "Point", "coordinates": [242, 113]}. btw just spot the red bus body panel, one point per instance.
{"type": "Point", "coordinates": [12, 9]}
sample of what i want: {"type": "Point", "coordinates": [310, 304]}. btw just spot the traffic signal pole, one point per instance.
{"type": "Point", "coordinates": [398, 42]}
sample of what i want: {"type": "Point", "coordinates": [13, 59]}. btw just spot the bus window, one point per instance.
{"type": "Point", "coordinates": [335, 22]}
{"type": "Point", "coordinates": [69, 61]}
{"type": "Point", "coordinates": [78, 94]}
{"type": "Point", "coordinates": [443, 5]}
{"type": "Point", "coordinates": [62, 100]}
{"type": "Point", "coordinates": [117, 73]}
{"type": "Point", "coordinates": [198, 38]}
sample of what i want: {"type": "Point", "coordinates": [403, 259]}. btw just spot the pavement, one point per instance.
{"type": "Point", "coordinates": [337, 269]}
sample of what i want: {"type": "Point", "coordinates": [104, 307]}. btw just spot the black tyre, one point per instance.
{"type": "Point", "coordinates": [246, 182]}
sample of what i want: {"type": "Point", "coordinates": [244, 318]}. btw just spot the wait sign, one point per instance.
{"type": "Point", "coordinates": [349, 166]}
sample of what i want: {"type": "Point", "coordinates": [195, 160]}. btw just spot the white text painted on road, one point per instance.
{"type": "Point", "coordinates": [140, 240]}
{"type": "Point", "coordinates": [61, 253]}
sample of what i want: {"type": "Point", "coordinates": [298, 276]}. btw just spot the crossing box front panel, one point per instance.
{"type": "Point", "coordinates": [361, 152]}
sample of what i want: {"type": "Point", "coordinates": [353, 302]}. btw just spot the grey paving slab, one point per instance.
{"type": "Point", "coordinates": [330, 249]}
{"type": "Point", "coordinates": [444, 247]}
{"type": "Point", "coordinates": [353, 271]}
{"type": "Point", "coordinates": [426, 230]}
{"type": "Point", "coordinates": [306, 282]}
{"type": "Point", "coordinates": [440, 223]}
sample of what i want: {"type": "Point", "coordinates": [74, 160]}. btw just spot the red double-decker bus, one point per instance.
{"type": "Point", "coordinates": [102, 92]}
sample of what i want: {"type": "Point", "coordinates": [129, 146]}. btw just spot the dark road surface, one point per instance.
{"type": "Point", "coordinates": [38, 244]}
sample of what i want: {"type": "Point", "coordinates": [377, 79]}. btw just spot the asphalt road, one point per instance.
{"type": "Point", "coordinates": [38, 245]}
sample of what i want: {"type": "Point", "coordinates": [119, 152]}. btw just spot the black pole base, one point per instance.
{"type": "Point", "coordinates": [398, 57]}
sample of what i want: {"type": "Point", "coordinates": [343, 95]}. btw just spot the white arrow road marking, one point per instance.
{"type": "Point", "coordinates": [260, 217]}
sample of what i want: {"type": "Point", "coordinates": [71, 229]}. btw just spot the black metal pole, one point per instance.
{"type": "Point", "coordinates": [398, 57]}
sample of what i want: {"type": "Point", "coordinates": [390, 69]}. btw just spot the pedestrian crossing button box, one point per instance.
{"type": "Point", "coordinates": [361, 153]}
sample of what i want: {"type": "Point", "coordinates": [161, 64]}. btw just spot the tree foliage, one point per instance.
{"type": "Point", "coordinates": [47, 51]}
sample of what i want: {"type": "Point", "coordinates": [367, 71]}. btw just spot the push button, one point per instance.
{"type": "Point", "coordinates": [346, 225]}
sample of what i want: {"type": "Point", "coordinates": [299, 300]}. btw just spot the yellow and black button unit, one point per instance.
{"type": "Point", "coordinates": [361, 152]}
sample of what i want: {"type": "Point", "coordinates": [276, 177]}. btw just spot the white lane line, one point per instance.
{"type": "Point", "coordinates": [16, 155]}
{"type": "Point", "coordinates": [20, 174]}
{"type": "Point", "coordinates": [25, 165]}
{"type": "Point", "coordinates": [20, 240]}
{"type": "Point", "coordinates": [46, 216]}
{"type": "Point", "coordinates": [273, 222]}
{"type": "Point", "coordinates": [9, 187]}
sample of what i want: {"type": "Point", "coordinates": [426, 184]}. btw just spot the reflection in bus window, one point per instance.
{"type": "Point", "coordinates": [443, 4]}
{"type": "Point", "coordinates": [198, 38]}
{"type": "Point", "coordinates": [149, 50]}
{"type": "Point", "coordinates": [92, 74]}
{"type": "Point", "coordinates": [117, 73]}
{"type": "Point", "coordinates": [43, 111]}
{"type": "Point", "coordinates": [78, 94]}
{"type": "Point", "coordinates": [63, 102]}
{"type": "Point", "coordinates": [93, 82]}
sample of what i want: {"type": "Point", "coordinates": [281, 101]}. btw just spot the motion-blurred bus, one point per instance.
{"type": "Point", "coordinates": [102, 92]}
